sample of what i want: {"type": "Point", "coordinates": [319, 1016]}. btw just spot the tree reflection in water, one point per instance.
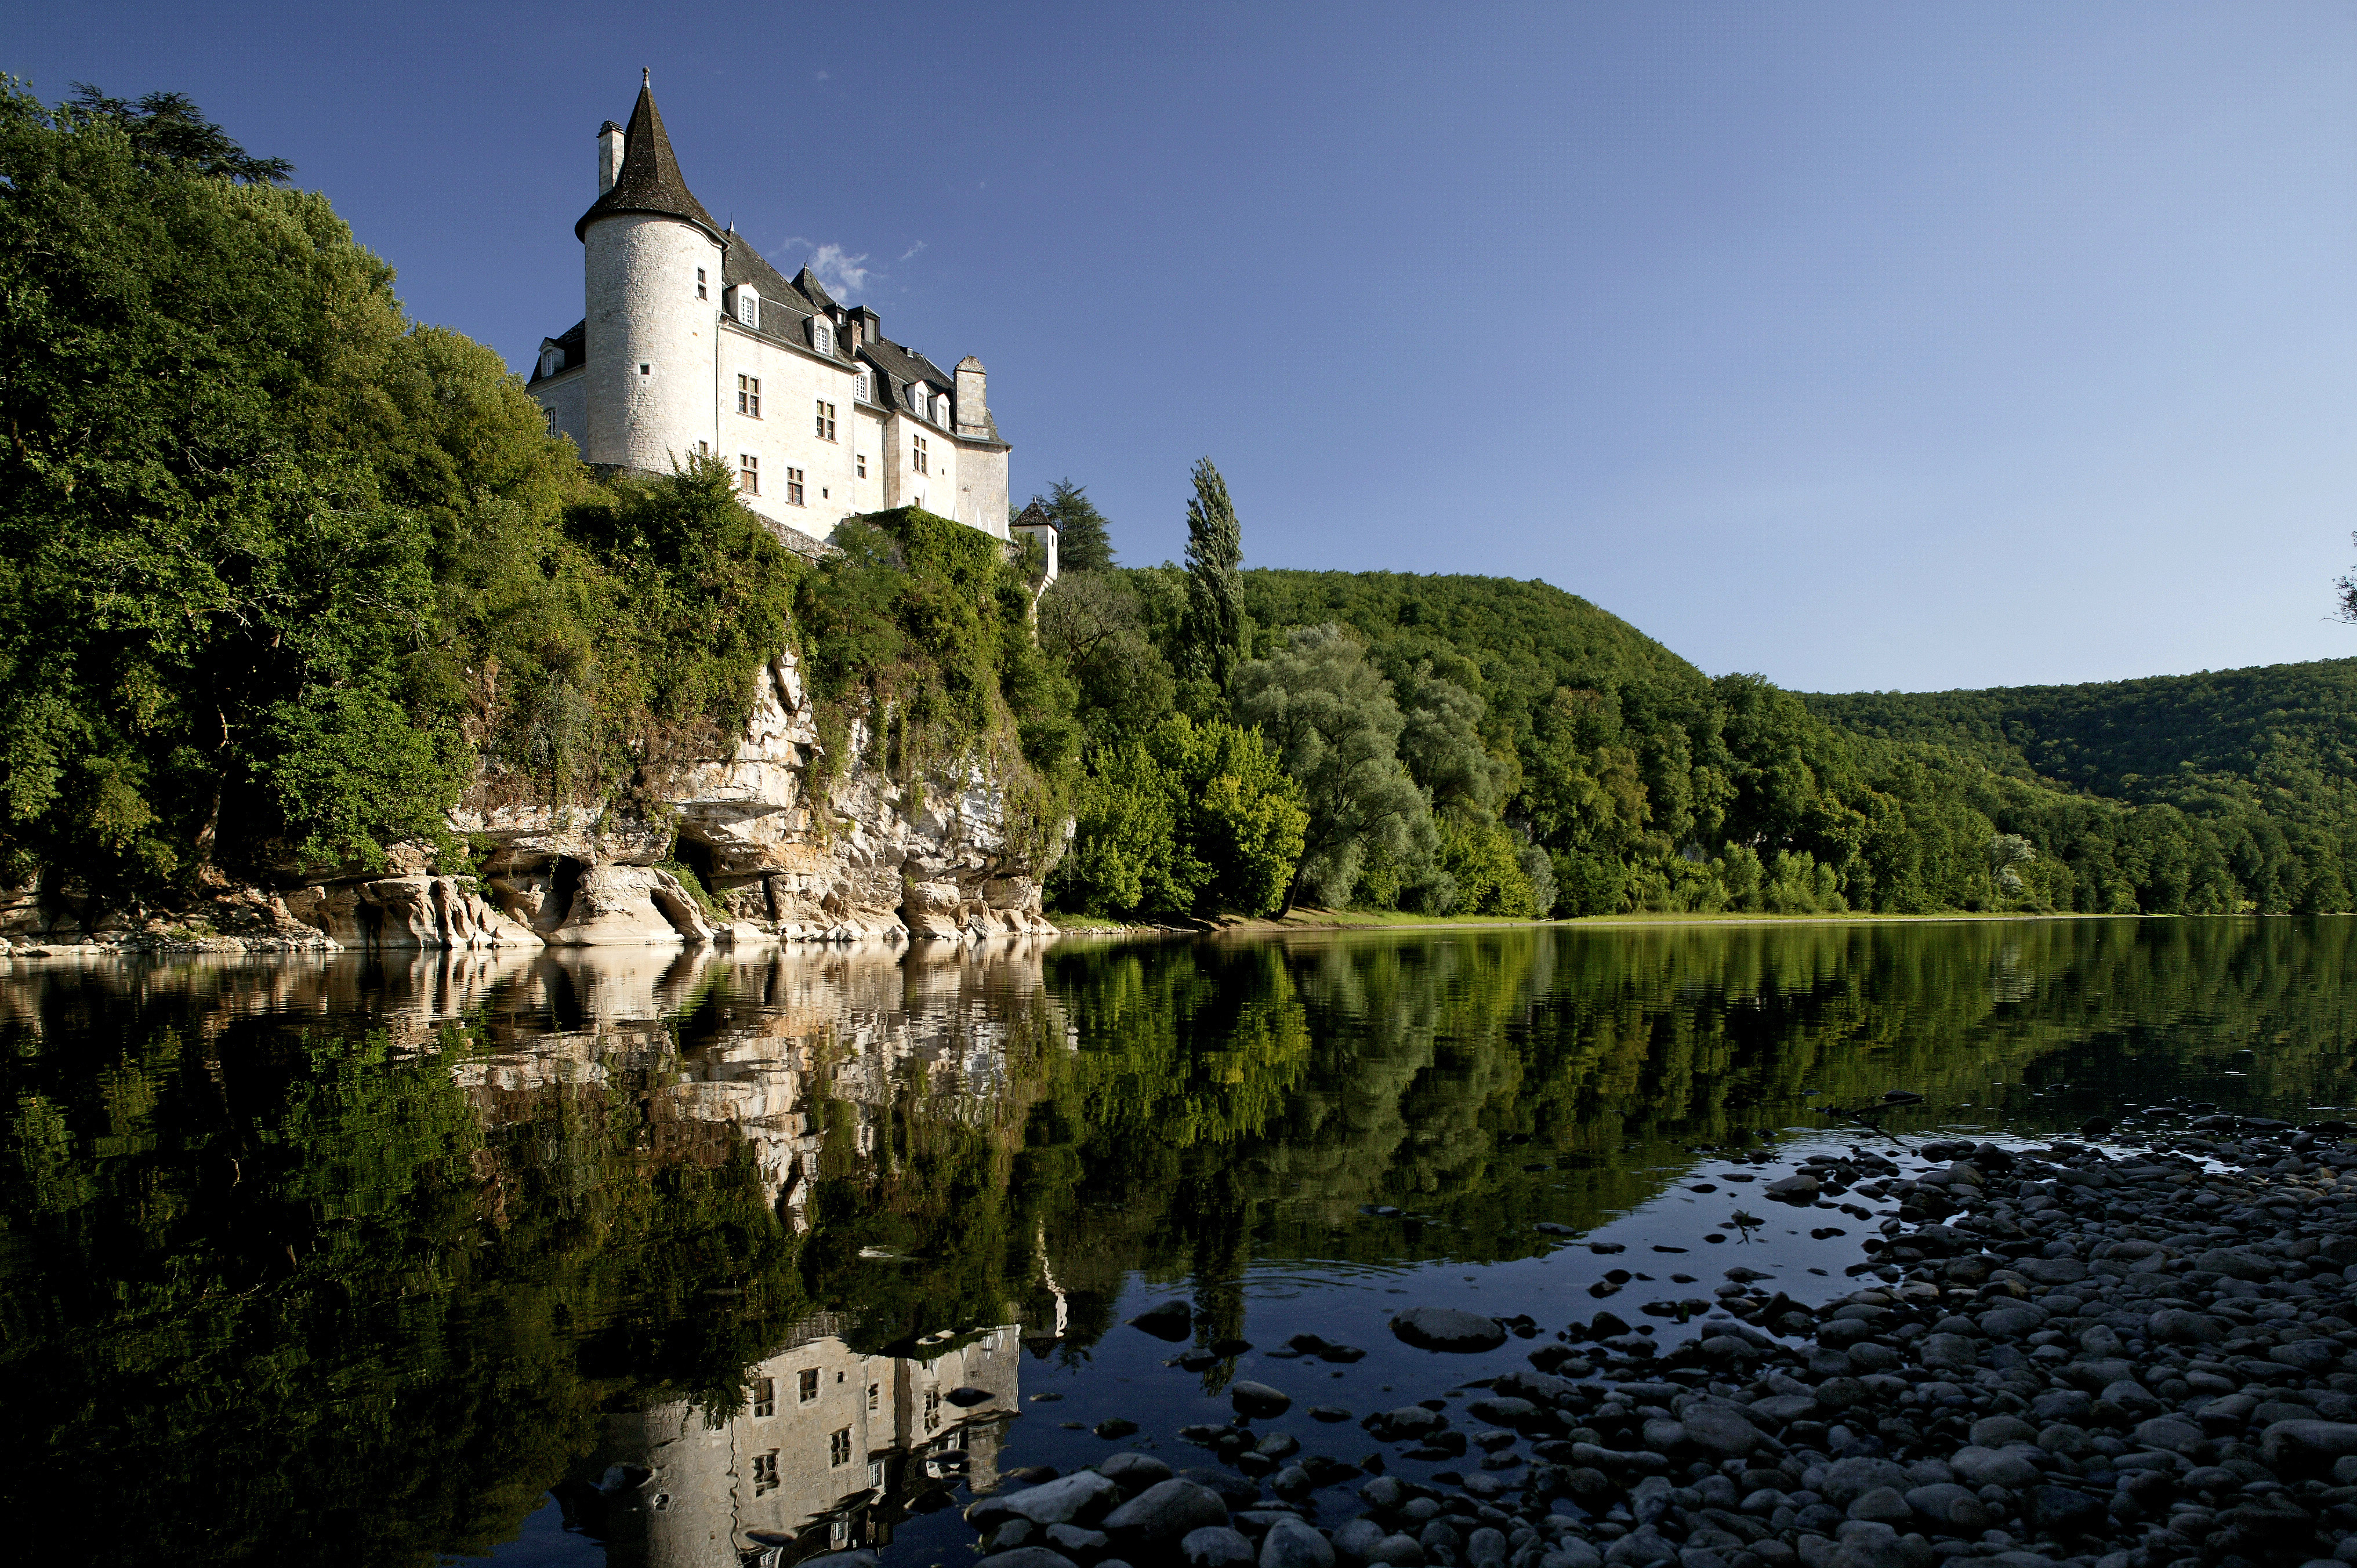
{"type": "Point", "coordinates": [356, 1260]}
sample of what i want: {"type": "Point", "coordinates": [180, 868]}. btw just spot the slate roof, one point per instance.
{"type": "Point", "coordinates": [573, 342]}
{"type": "Point", "coordinates": [650, 180]}
{"type": "Point", "coordinates": [786, 308]}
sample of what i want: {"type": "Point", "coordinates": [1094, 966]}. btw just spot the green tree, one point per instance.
{"type": "Point", "coordinates": [1094, 626]}
{"type": "Point", "coordinates": [1083, 537]}
{"type": "Point", "coordinates": [1217, 630]}
{"type": "Point", "coordinates": [1330, 716]}
{"type": "Point", "coordinates": [1245, 814]}
{"type": "Point", "coordinates": [204, 617]}
{"type": "Point", "coordinates": [1184, 819]}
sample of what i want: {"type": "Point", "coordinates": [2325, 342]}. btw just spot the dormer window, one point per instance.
{"type": "Point", "coordinates": [822, 337]}
{"type": "Point", "coordinates": [859, 388]}
{"type": "Point", "coordinates": [749, 305]}
{"type": "Point", "coordinates": [551, 359]}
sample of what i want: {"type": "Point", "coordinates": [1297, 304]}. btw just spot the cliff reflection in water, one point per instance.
{"type": "Point", "coordinates": [357, 1260]}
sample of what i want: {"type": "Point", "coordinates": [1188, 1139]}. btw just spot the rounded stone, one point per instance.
{"type": "Point", "coordinates": [1132, 1472]}
{"type": "Point", "coordinates": [1882, 1504]}
{"type": "Point", "coordinates": [1977, 1466]}
{"type": "Point", "coordinates": [1997, 1431]}
{"type": "Point", "coordinates": [1446, 1329]}
{"type": "Point", "coordinates": [1216, 1546]}
{"type": "Point", "coordinates": [1355, 1541]}
{"type": "Point", "coordinates": [1164, 1512]}
{"type": "Point", "coordinates": [1250, 1398]}
{"type": "Point", "coordinates": [1950, 1506]}
{"type": "Point", "coordinates": [1293, 1544]}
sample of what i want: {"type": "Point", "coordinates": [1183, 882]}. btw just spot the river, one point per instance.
{"type": "Point", "coordinates": [649, 1258]}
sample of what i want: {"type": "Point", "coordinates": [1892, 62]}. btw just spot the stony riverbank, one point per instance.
{"type": "Point", "coordinates": [2122, 1358]}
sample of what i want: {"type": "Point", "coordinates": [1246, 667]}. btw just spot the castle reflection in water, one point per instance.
{"type": "Point", "coordinates": [829, 1453]}
{"type": "Point", "coordinates": [830, 1447]}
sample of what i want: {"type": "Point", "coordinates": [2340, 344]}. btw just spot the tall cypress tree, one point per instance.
{"type": "Point", "coordinates": [1217, 627]}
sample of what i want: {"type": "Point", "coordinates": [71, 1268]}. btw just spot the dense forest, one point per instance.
{"type": "Point", "coordinates": [1561, 761]}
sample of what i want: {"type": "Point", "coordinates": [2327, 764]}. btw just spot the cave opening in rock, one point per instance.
{"type": "Point", "coordinates": [563, 882]}
{"type": "Point", "coordinates": [696, 855]}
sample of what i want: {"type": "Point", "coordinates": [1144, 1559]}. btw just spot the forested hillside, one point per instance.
{"type": "Point", "coordinates": [2287, 726]}
{"type": "Point", "coordinates": [1566, 761]}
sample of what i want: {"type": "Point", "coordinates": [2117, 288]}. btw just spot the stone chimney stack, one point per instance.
{"type": "Point", "coordinates": [973, 411]}
{"type": "Point", "coordinates": [611, 144]}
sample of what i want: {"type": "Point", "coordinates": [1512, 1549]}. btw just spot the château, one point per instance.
{"type": "Point", "coordinates": [690, 344]}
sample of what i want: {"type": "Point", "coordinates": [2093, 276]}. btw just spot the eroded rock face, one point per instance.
{"type": "Point", "coordinates": [872, 858]}
{"type": "Point", "coordinates": [416, 911]}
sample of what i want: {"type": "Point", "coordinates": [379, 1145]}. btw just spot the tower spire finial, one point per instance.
{"type": "Point", "coordinates": [646, 77]}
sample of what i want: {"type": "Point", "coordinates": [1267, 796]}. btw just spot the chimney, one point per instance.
{"type": "Point", "coordinates": [611, 144]}
{"type": "Point", "coordinates": [972, 411]}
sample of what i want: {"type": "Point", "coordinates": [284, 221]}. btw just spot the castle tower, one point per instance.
{"type": "Point", "coordinates": [653, 262]}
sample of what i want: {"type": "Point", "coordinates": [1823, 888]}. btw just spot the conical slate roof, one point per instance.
{"type": "Point", "coordinates": [650, 180]}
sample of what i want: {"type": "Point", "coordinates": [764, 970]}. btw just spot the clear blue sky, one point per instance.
{"type": "Point", "coordinates": [1857, 345]}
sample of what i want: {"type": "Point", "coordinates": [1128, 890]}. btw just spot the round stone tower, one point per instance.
{"type": "Point", "coordinates": [654, 257]}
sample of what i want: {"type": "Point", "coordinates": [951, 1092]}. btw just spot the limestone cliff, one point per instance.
{"type": "Point", "coordinates": [869, 858]}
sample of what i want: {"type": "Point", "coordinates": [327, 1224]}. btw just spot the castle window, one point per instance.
{"type": "Point", "coordinates": [765, 1472]}
{"type": "Point", "coordinates": [765, 1397]}
{"type": "Point", "coordinates": [826, 422]}
{"type": "Point", "coordinates": [874, 1390]}
{"type": "Point", "coordinates": [875, 1474]}
{"type": "Point", "coordinates": [863, 465]}
{"type": "Point", "coordinates": [809, 1384]}
{"type": "Point", "coordinates": [701, 290]}
{"type": "Point", "coordinates": [917, 458]}
{"type": "Point", "coordinates": [704, 448]}
{"type": "Point", "coordinates": [794, 497]}
{"type": "Point", "coordinates": [933, 1409]}
{"type": "Point", "coordinates": [748, 479]}
{"type": "Point", "coordinates": [749, 396]}
{"type": "Point", "coordinates": [749, 305]}
{"type": "Point", "coordinates": [838, 1448]}
{"type": "Point", "coordinates": [822, 337]}
{"type": "Point", "coordinates": [859, 388]}
{"type": "Point", "coordinates": [552, 359]}
{"type": "Point", "coordinates": [645, 369]}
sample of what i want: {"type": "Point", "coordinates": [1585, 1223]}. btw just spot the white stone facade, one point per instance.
{"type": "Point", "coordinates": [690, 343]}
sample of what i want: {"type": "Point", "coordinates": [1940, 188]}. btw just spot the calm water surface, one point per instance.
{"type": "Point", "coordinates": [645, 1259]}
